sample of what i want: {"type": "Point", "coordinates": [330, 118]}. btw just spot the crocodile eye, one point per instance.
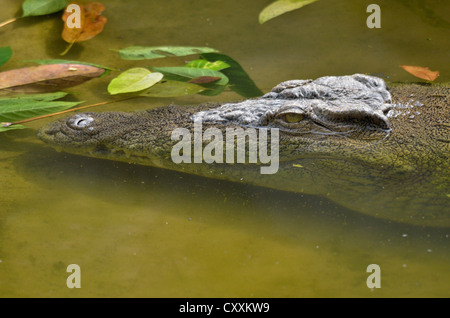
{"type": "Point", "coordinates": [293, 117]}
{"type": "Point", "coordinates": [79, 121]}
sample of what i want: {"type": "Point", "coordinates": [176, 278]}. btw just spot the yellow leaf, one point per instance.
{"type": "Point", "coordinates": [279, 7]}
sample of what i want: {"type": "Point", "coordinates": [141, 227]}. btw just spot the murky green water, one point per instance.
{"type": "Point", "coordinates": [144, 232]}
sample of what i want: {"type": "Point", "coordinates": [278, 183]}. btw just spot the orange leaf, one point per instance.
{"type": "Point", "coordinates": [47, 78]}
{"type": "Point", "coordinates": [92, 23]}
{"type": "Point", "coordinates": [204, 79]}
{"type": "Point", "coordinates": [421, 72]}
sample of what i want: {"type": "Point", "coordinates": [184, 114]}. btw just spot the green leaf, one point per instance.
{"type": "Point", "coordinates": [154, 52]}
{"type": "Point", "coordinates": [172, 89]}
{"type": "Point", "coordinates": [201, 63]}
{"type": "Point", "coordinates": [23, 107]}
{"type": "Point", "coordinates": [42, 7]}
{"type": "Point", "coordinates": [279, 7]}
{"type": "Point", "coordinates": [5, 54]}
{"type": "Point", "coordinates": [191, 72]}
{"type": "Point", "coordinates": [213, 90]}
{"type": "Point", "coordinates": [240, 82]}
{"type": "Point", "coordinates": [32, 109]}
{"type": "Point", "coordinates": [21, 99]}
{"type": "Point", "coordinates": [12, 127]}
{"type": "Point", "coordinates": [133, 80]}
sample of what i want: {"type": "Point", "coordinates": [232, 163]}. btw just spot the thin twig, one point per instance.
{"type": "Point", "coordinates": [8, 22]}
{"type": "Point", "coordinates": [66, 111]}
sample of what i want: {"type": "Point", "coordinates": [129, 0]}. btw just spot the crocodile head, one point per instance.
{"type": "Point", "coordinates": [321, 112]}
{"type": "Point", "coordinates": [347, 105]}
{"type": "Point", "coordinates": [335, 138]}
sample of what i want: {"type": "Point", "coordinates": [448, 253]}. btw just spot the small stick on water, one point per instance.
{"type": "Point", "coordinates": [66, 111]}
{"type": "Point", "coordinates": [8, 22]}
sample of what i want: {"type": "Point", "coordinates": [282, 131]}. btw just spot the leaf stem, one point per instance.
{"type": "Point", "coordinates": [8, 22]}
{"type": "Point", "coordinates": [67, 111]}
{"type": "Point", "coordinates": [67, 49]}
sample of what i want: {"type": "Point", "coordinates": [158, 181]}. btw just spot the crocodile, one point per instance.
{"type": "Point", "coordinates": [376, 150]}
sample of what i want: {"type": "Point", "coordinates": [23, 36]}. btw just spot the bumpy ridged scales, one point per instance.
{"type": "Point", "coordinates": [401, 174]}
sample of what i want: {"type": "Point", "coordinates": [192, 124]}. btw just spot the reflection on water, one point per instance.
{"type": "Point", "coordinates": [139, 231]}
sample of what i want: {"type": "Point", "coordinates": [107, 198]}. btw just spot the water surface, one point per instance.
{"type": "Point", "coordinates": [145, 232]}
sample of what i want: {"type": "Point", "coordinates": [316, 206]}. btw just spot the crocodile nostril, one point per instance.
{"type": "Point", "coordinates": [80, 121]}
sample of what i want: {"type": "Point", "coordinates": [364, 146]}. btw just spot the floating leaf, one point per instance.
{"type": "Point", "coordinates": [154, 52]}
{"type": "Point", "coordinates": [201, 63]}
{"type": "Point", "coordinates": [208, 81]}
{"type": "Point", "coordinates": [64, 111]}
{"type": "Point", "coordinates": [133, 80]}
{"type": "Point", "coordinates": [279, 7]}
{"type": "Point", "coordinates": [421, 72]}
{"type": "Point", "coordinates": [27, 106]}
{"type": "Point", "coordinates": [172, 89]}
{"type": "Point", "coordinates": [42, 7]}
{"type": "Point", "coordinates": [191, 72]}
{"type": "Point", "coordinates": [5, 54]}
{"type": "Point", "coordinates": [20, 99]}
{"type": "Point", "coordinates": [212, 90]}
{"type": "Point", "coordinates": [92, 23]}
{"type": "Point", "coordinates": [12, 127]}
{"type": "Point", "coordinates": [38, 7]}
{"type": "Point", "coordinates": [58, 61]}
{"type": "Point", "coordinates": [204, 79]}
{"type": "Point", "coordinates": [47, 78]}
{"type": "Point", "coordinates": [240, 82]}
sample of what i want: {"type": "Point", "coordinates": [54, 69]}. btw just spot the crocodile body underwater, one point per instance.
{"type": "Point", "coordinates": [350, 139]}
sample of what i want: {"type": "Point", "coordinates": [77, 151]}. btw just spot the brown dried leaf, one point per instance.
{"type": "Point", "coordinates": [421, 72]}
{"type": "Point", "coordinates": [47, 78]}
{"type": "Point", "coordinates": [204, 79]}
{"type": "Point", "coordinates": [92, 23]}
